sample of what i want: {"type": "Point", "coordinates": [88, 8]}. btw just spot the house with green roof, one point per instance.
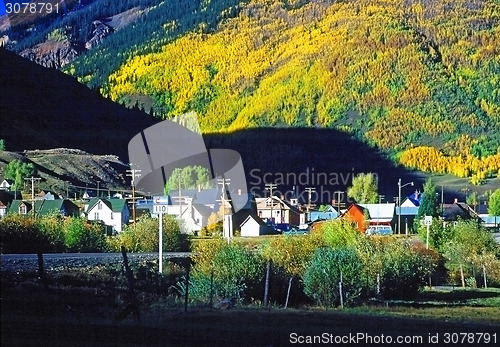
{"type": "Point", "coordinates": [112, 212]}
{"type": "Point", "coordinates": [44, 208]}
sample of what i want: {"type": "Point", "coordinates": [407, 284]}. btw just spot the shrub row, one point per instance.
{"type": "Point", "coordinates": [55, 234]}
{"type": "Point", "coordinates": [322, 264]}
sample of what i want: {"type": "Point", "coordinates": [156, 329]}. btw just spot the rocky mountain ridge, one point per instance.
{"type": "Point", "coordinates": [71, 171]}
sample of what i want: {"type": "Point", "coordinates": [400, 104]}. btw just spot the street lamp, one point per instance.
{"type": "Point", "coordinates": [399, 202]}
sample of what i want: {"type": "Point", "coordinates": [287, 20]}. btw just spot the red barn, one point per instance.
{"type": "Point", "coordinates": [358, 216]}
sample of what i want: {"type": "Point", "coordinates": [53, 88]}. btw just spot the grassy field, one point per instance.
{"type": "Point", "coordinates": [36, 316]}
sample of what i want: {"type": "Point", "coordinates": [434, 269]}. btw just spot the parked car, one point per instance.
{"type": "Point", "coordinates": [295, 231]}
{"type": "Point", "coordinates": [379, 230]}
{"type": "Point", "coordinates": [282, 228]}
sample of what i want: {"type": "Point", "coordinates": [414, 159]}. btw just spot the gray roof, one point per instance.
{"type": "Point", "coordinates": [204, 210]}
{"type": "Point", "coordinates": [407, 211]}
{"type": "Point", "coordinates": [380, 211]}
{"type": "Point", "coordinates": [204, 196]}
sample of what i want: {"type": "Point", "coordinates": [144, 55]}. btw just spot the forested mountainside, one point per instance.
{"type": "Point", "coordinates": [418, 79]}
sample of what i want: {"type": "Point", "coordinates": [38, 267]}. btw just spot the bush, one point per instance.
{"type": "Point", "coordinates": [201, 287]}
{"type": "Point", "coordinates": [404, 270]}
{"type": "Point", "coordinates": [327, 268]}
{"type": "Point", "coordinates": [204, 252]}
{"type": "Point", "coordinates": [470, 246]}
{"type": "Point", "coordinates": [234, 269]}
{"type": "Point", "coordinates": [339, 233]}
{"type": "Point", "coordinates": [438, 234]}
{"type": "Point", "coordinates": [291, 253]}
{"type": "Point", "coordinates": [84, 237]}
{"type": "Point", "coordinates": [51, 229]}
{"type": "Point", "coordinates": [143, 236]}
{"type": "Point", "coordinates": [21, 234]}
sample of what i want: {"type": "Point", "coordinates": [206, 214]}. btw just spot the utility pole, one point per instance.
{"type": "Point", "coordinates": [33, 179]}
{"type": "Point", "coordinates": [309, 194]}
{"type": "Point", "coordinates": [133, 173]}
{"type": "Point", "coordinates": [223, 182]}
{"type": "Point", "coordinates": [180, 196]}
{"type": "Point", "coordinates": [271, 187]}
{"type": "Point", "coordinates": [399, 202]}
{"type": "Point", "coordinates": [442, 201]}
{"type": "Point", "coordinates": [338, 193]}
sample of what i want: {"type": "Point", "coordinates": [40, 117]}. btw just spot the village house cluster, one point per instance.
{"type": "Point", "coordinates": [197, 208]}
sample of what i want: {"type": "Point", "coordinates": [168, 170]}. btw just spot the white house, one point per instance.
{"type": "Point", "coordinates": [3, 209]}
{"type": "Point", "coordinates": [112, 212]}
{"type": "Point", "coordinates": [6, 184]}
{"type": "Point", "coordinates": [277, 210]}
{"type": "Point", "coordinates": [381, 214]}
{"type": "Point", "coordinates": [253, 226]}
{"type": "Point", "coordinates": [193, 216]}
{"type": "Point", "coordinates": [5, 200]}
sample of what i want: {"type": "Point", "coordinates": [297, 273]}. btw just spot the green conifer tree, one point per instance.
{"type": "Point", "coordinates": [429, 203]}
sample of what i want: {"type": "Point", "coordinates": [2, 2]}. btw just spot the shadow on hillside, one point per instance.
{"type": "Point", "coordinates": [324, 159]}
{"type": "Point", "coordinates": [44, 108]}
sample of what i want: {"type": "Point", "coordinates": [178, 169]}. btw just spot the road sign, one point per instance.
{"type": "Point", "coordinates": [160, 208]}
{"type": "Point", "coordinates": [160, 204]}
{"type": "Point", "coordinates": [160, 200]}
{"type": "Point", "coordinates": [428, 220]}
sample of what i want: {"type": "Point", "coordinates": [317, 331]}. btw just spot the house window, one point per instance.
{"type": "Point", "coordinates": [112, 215]}
{"type": "Point", "coordinates": [96, 215]}
{"type": "Point", "coordinates": [99, 205]}
{"type": "Point", "coordinates": [23, 209]}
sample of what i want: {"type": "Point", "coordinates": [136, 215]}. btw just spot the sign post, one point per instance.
{"type": "Point", "coordinates": [160, 206]}
{"type": "Point", "coordinates": [160, 243]}
{"type": "Point", "coordinates": [428, 223]}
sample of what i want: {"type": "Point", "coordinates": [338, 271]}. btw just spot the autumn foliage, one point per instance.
{"type": "Point", "coordinates": [413, 77]}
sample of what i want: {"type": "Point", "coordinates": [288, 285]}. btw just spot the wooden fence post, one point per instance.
{"type": "Point", "coordinates": [266, 285]}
